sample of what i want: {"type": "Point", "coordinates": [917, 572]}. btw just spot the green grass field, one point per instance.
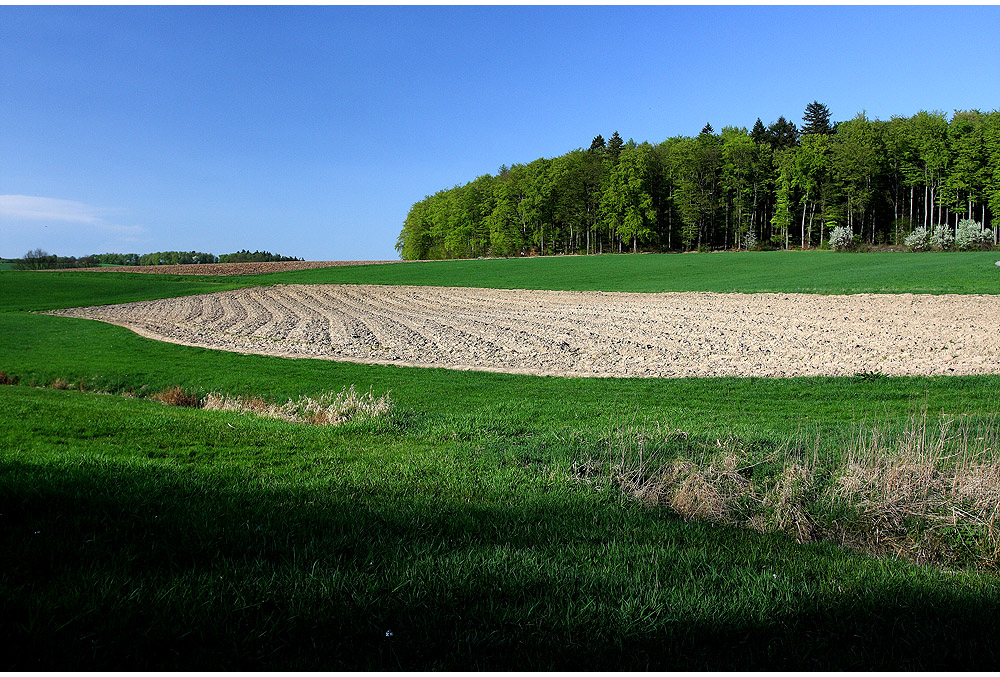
{"type": "Point", "coordinates": [456, 534]}
{"type": "Point", "coordinates": [819, 272]}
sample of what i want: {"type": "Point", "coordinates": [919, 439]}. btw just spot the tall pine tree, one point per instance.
{"type": "Point", "coordinates": [615, 147]}
{"type": "Point", "coordinates": [816, 119]}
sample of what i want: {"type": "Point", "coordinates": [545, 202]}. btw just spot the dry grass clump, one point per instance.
{"type": "Point", "coordinates": [59, 384]}
{"type": "Point", "coordinates": [7, 379]}
{"type": "Point", "coordinates": [326, 409]}
{"type": "Point", "coordinates": [332, 408]}
{"type": "Point", "coordinates": [928, 493]}
{"type": "Point", "coordinates": [931, 493]}
{"type": "Point", "coordinates": [176, 397]}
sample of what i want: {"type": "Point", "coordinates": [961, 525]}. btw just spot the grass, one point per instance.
{"type": "Point", "coordinates": [104, 357]}
{"type": "Point", "coordinates": [821, 272]}
{"type": "Point", "coordinates": [927, 492]}
{"type": "Point", "coordinates": [47, 290]}
{"type": "Point", "coordinates": [324, 409]}
{"type": "Point", "coordinates": [474, 526]}
{"type": "Point", "coordinates": [168, 538]}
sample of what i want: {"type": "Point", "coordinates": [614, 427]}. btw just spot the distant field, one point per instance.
{"type": "Point", "coordinates": [821, 272]}
{"type": "Point", "coordinates": [245, 268]}
{"type": "Point", "coordinates": [493, 521]}
{"type": "Point", "coordinates": [818, 272]}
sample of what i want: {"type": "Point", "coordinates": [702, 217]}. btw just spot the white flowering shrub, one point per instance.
{"type": "Point", "coordinates": [840, 238]}
{"type": "Point", "coordinates": [750, 240]}
{"type": "Point", "coordinates": [972, 235]}
{"type": "Point", "coordinates": [942, 238]}
{"type": "Point", "coordinates": [918, 241]}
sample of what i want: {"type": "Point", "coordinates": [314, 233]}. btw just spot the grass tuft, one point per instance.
{"type": "Point", "coordinates": [929, 492]}
{"type": "Point", "coordinates": [8, 379]}
{"type": "Point", "coordinates": [326, 409]}
{"type": "Point", "coordinates": [177, 397]}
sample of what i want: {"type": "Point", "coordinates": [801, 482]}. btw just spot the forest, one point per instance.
{"type": "Point", "coordinates": [779, 186]}
{"type": "Point", "coordinates": [39, 259]}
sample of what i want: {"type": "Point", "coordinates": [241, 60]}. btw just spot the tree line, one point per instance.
{"type": "Point", "coordinates": [38, 259]}
{"type": "Point", "coordinates": [779, 186]}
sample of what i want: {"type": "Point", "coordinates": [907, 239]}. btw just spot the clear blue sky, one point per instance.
{"type": "Point", "coordinates": [309, 131]}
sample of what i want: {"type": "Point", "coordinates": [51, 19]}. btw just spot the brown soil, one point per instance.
{"type": "Point", "coordinates": [585, 333]}
{"type": "Point", "coordinates": [230, 268]}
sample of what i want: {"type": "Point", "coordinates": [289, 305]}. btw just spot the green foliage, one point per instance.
{"type": "Point", "coordinates": [175, 258]}
{"type": "Point", "coordinates": [38, 259]}
{"type": "Point", "coordinates": [710, 189]}
{"type": "Point", "coordinates": [246, 256]}
{"type": "Point", "coordinates": [816, 119]}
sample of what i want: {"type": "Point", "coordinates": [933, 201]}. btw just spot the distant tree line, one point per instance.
{"type": "Point", "coordinates": [778, 186]}
{"type": "Point", "coordinates": [245, 256]}
{"type": "Point", "coordinates": [38, 259]}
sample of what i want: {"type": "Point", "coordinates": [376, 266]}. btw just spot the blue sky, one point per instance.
{"type": "Point", "coordinates": [310, 131]}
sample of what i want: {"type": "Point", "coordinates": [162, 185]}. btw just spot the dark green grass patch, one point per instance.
{"type": "Point", "coordinates": [139, 536]}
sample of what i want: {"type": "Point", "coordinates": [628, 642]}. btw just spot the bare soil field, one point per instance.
{"type": "Point", "coordinates": [559, 333]}
{"type": "Point", "coordinates": [251, 268]}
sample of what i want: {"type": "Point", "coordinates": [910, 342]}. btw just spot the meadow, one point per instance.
{"type": "Point", "coordinates": [491, 520]}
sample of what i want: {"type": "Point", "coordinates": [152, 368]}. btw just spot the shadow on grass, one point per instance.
{"type": "Point", "coordinates": [137, 566]}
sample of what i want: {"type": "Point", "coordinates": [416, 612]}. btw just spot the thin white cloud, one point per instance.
{"type": "Point", "coordinates": [62, 226]}
{"type": "Point", "coordinates": [47, 209]}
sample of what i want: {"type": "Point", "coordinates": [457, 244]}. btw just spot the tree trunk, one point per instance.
{"type": "Point", "coordinates": [911, 208]}
{"type": "Point", "coordinates": [805, 208]}
{"type": "Point", "coordinates": [812, 214]}
{"type": "Point", "coordinates": [927, 221]}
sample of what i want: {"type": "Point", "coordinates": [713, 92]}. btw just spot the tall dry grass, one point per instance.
{"type": "Point", "coordinates": [177, 397]}
{"type": "Point", "coordinates": [928, 492]}
{"type": "Point", "coordinates": [326, 409]}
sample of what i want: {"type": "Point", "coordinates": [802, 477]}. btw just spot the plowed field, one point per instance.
{"type": "Point", "coordinates": [585, 333]}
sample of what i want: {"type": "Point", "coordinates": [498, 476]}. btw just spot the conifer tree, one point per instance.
{"type": "Point", "coordinates": [816, 119]}
{"type": "Point", "coordinates": [615, 147]}
{"type": "Point", "coordinates": [783, 134]}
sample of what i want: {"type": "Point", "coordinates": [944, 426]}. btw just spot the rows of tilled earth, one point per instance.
{"type": "Point", "coordinates": [563, 333]}
{"type": "Point", "coordinates": [247, 268]}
